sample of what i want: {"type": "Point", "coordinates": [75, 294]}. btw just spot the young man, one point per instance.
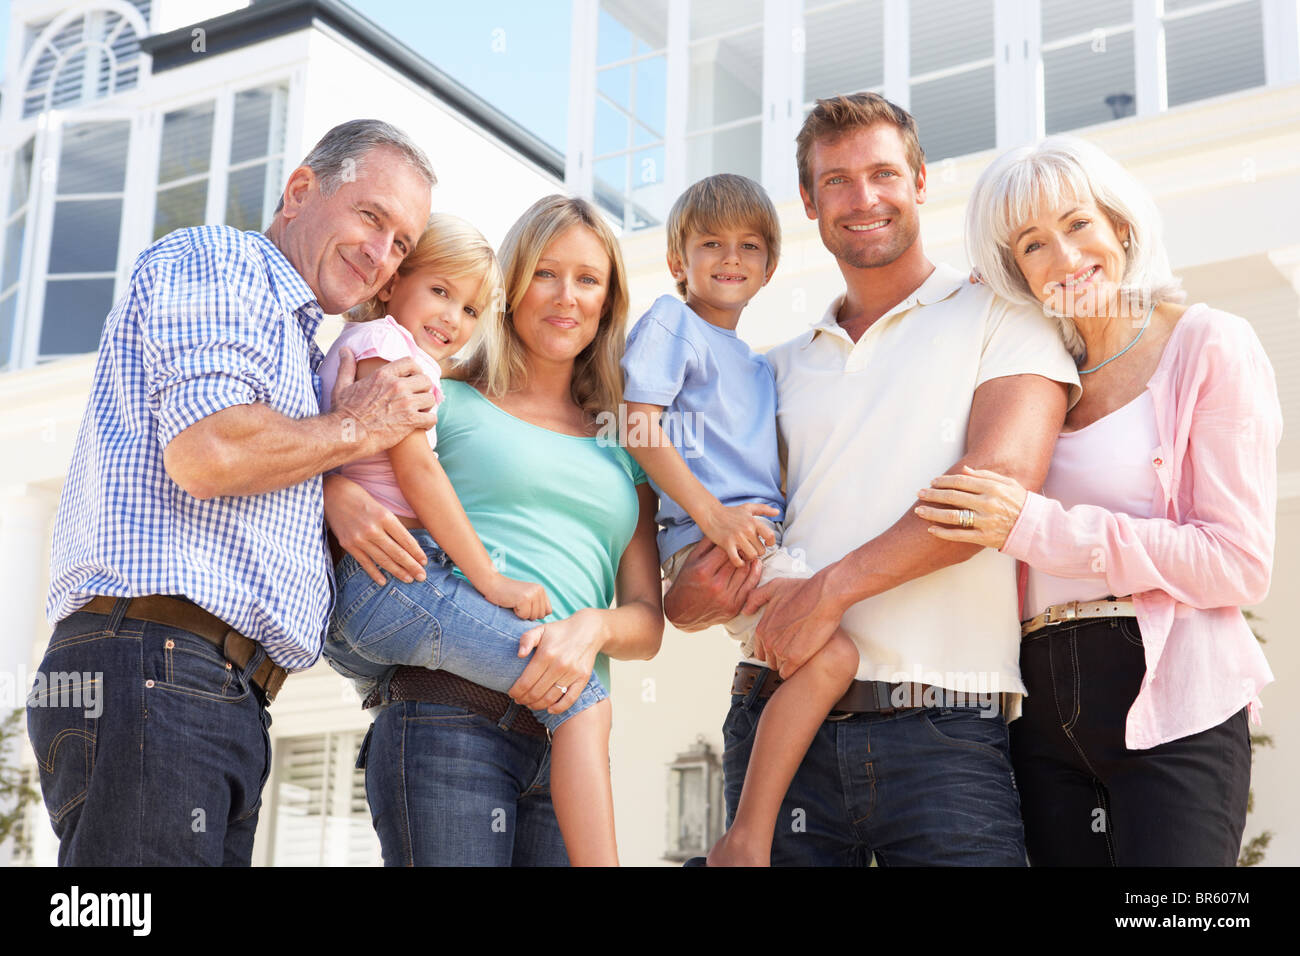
{"type": "Point", "coordinates": [911, 373]}
{"type": "Point", "coordinates": [189, 570]}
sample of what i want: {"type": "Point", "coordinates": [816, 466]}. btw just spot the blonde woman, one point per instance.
{"type": "Point", "coordinates": [456, 773]}
{"type": "Point", "coordinates": [1155, 524]}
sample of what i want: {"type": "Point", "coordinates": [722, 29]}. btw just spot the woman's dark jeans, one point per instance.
{"type": "Point", "coordinates": [1089, 801]}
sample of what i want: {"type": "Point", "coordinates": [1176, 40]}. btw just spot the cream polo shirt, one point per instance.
{"type": "Point", "coordinates": [865, 425]}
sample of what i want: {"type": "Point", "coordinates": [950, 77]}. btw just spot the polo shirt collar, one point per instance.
{"type": "Point", "coordinates": [943, 282]}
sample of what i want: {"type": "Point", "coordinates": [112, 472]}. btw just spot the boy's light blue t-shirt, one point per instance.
{"type": "Point", "coordinates": [719, 399]}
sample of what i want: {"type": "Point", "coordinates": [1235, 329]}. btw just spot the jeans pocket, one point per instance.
{"type": "Point", "coordinates": [183, 663]}
{"type": "Point", "coordinates": [966, 728]}
{"type": "Point", "coordinates": [393, 628]}
{"type": "Point", "coordinates": [63, 740]}
{"type": "Point", "coordinates": [1128, 626]}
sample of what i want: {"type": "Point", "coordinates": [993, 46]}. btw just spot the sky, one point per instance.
{"type": "Point", "coordinates": [512, 53]}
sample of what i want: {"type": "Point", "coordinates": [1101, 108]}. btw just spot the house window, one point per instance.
{"type": "Point", "coordinates": [87, 58]}
{"type": "Point", "coordinates": [319, 811]}
{"type": "Point", "coordinates": [183, 165]}
{"type": "Point", "coordinates": [1212, 48]}
{"type": "Point", "coordinates": [724, 132]}
{"type": "Point", "coordinates": [631, 87]}
{"type": "Point", "coordinates": [1088, 63]}
{"type": "Point", "coordinates": [254, 179]}
{"type": "Point", "coordinates": [15, 224]}
{"type": "Point", "coordinates": [950, 85]}
{"type": "Point", "coordinates": [84, 236]}
{"type": "Point", "coordinates": [847, 45]}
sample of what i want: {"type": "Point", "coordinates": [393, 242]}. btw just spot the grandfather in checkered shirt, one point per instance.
{"type": "Point", "coordinates": [190, 571]}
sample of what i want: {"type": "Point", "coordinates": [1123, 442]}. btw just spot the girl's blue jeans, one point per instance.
{"type": "Point", "coordinates": [441, 623]}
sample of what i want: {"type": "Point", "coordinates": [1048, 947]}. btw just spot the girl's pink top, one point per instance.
{"type": "Point", "coordinates": [379, 338]}
{"type": "Point", "coordinates": [1219, 424]}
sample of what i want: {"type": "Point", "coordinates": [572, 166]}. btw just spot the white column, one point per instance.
{"type": "Point", "coordinates": [25, 517]}
{"type": "Point", "coordinates": [578, 172]}
{"type": "Point", "coordinates": [676, 96]}
{"type": "Point", "coordinates": [1149, 49]}
{"type": "Point", "coordinates": [1281, 41]}
{"type": "Point", "coordinates": [898, 53]}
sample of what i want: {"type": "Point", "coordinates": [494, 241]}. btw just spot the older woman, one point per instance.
{"type": "Point", "coordinates": [1156, 522]}
{"type": "Point", "coordinates": [456, 773]}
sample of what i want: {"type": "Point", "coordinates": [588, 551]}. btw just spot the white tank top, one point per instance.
{"type": "Point", "coordinates": [1107, 463]}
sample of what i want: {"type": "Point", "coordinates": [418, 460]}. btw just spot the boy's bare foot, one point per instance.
{"type": "Point", "coordinates": [731, 850]}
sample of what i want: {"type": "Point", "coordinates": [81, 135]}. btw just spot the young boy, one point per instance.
{"type": "Point", "coordinates": [701, 421]}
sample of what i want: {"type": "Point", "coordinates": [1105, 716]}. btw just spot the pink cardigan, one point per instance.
{"type": "Point", "coordinates": [1219, 424]}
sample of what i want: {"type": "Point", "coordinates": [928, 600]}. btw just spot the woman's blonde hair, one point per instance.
{"type": "Point", "coordinates": [1027, 182]}
{"type": "Point", "coordinates": [498, 362]}
{"type": "Point", "coordinates": [452, 246]}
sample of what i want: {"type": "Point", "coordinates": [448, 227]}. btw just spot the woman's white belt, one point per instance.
{"type": "Point", "coordinates": [1078, 610]}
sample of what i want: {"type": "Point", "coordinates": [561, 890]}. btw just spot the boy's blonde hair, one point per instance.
{"type": "Point", "coordinates": [452, 246]}
{"type": "Point", "coordinates": [724, 201]}
{"type": "Point", "coordinates": [497, 360]}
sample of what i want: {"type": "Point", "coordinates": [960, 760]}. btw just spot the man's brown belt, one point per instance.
{"type": "Point", "coordinates": [864, 696]}
{"type": "Point", "coordinates": [182, 613]}
{"type": "Point", "coordinates": [442, 687]}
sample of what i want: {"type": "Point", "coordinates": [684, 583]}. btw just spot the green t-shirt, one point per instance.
{"type": "Point", "coordinates": [551, 508]}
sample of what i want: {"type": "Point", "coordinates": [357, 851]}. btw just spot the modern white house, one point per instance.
{"type": "Point", "coordinates": [120, 121]}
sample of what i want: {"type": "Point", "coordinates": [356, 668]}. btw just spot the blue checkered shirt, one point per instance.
{"type": "Point", "coordinates": [213, 317]}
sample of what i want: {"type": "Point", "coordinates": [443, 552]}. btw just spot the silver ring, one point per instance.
{"type": "Point", "coordinates": [563, 690]}
{"type": "Point", "coordinates": [966, 518]}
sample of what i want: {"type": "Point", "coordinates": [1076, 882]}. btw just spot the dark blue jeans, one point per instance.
{"type": "Point", "coordinates": [449, 787]}
{"type": "Point", "coordinates": [1090, 801]}
{"type": "Point", "coordinates": [924, 787]}
{"type": "Point", "coordinates": [159, 757]}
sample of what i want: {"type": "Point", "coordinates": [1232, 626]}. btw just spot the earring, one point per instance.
{"type": "Point", "coordinates": [1125, 243]}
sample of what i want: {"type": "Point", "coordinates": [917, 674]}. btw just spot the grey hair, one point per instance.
{"type": "Point", "coordinates": [339, 155]}
{"type": "Point", "coordinates": [1022, 184]}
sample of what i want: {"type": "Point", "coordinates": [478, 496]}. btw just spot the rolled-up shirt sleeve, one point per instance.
{"type": "Point", "coordinates": [205, 349]}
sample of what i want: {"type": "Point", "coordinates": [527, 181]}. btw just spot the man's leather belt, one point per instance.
{"type": "Point", "coordinates": [443, 687]}
{"type": "Point", "coordinates": [864, 696]}
{"type": "Point", "coordinates": [180, 612]}
{"type": "Point", "coordinates": [1077, 611]}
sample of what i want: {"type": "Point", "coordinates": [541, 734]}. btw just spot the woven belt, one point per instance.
{"type": "Point", "coordinates": [1077, 611]}
{"type": "Point", "coordinates": [862, 697]}
{"type": "Point", "coordinates": [180, 612]}
{"type": "Point", "coordinates": [443, 687]}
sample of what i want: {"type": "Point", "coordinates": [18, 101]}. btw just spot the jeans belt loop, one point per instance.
{"type": "Point", "coordinates": [508, 717]}
{"type": "Point", "coordinates": [118, 612]}
{"type": "Point", "coordinates": [759, 680]}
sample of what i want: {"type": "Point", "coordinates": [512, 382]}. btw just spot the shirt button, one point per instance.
{"type": "Point", "coordinates": [1158, 462]}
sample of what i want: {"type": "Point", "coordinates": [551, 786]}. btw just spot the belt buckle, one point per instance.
{"type": "Point", "coordinates": [1069, 612]}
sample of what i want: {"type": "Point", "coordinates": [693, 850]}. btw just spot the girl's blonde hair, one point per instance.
{"type": "Point", "coordinates": [497, 361]}
{"type": "Point", "coordinates": [1022, 184]}
{"type": "Point", "coordinates": [453, 247]}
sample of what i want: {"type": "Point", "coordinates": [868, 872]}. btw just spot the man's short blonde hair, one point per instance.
{"type": "Point", "coordinates": [1024, 183]}
{"type": "Point", "coordinates": [724, 201]}
{"type": "Point", "coordinates": [835, 116]}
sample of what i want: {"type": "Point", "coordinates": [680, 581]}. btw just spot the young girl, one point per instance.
{"type": "Point", "coordinates": [449, 285]}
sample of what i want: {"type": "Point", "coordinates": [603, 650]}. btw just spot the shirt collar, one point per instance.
{"type": "Point", "coordinates": [943, 282]}
{"type": "Point", "coordinates": [290, 287]}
